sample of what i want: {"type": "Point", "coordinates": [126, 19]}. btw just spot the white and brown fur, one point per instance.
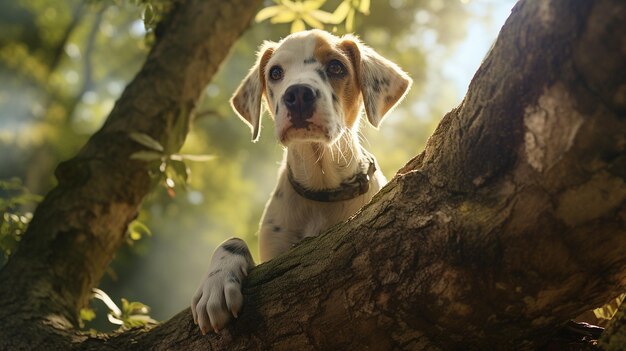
{"type": "Point", "coordinates": [322, 152]}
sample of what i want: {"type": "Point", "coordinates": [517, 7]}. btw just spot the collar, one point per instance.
{"type": "Point", "coordinates": [349, 189]}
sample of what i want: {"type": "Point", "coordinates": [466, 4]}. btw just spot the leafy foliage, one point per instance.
{"type": "Point", "coordinates": [13, 223]}
{"type": "Point", "coordinates": [130, 315]}
{"type": "Point", "coordinates": [614, 337]}
{"type": "Point", "coordinates": [65, 63]}
{"type": "Point", "coordinates": [137, 230]}
{"type": "Point", "coordinates": [347, 10]}
{"type": "Point", "coordinates": [608, 311]}
{"type": "Point", "coordinates": [168, 169]}
{"type": "Point", "coordinates": [307, 12]}
{"type": "Point", "coordinates": [86, 315]}
{"type": "Point", "coordinates": [153, 11]}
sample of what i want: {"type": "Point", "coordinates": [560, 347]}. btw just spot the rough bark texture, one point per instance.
{"type": "Point", "coordinates": [81, 223]}
{"type": "Point", "coordinates": [511, 222]}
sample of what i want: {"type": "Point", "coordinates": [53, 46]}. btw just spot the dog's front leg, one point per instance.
{"type": "Point", "coordinates": [219, 295]}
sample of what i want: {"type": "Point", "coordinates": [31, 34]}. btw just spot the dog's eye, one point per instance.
{"type": "Point", "coordinates": [335, 68]}
{"type": "Point", "coordinates": [276, 73]}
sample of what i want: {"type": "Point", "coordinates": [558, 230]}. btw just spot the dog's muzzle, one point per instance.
{"type": "Point", "coordinates": [300, 102]}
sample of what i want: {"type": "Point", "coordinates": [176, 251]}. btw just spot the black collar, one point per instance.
{"type": "Point", "coordinates": [358, 185]}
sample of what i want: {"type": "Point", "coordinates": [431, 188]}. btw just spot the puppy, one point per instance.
{"type": "Point", "coordinates": [315, 86]}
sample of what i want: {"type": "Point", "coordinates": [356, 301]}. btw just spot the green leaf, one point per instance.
{"type": "Point", "coordinates": [136, 307]}
{"type": "Point", "coordinates": [364, 7]}
{"type": "Point", "coordinates": [138, 321]}
{"type": "Point", "coordinates": [147, 141]}
{"type": "Point", "coordinates": [178, 126]}
{"type": "Point", "coordinates": [134, 314]}
{"type": "Point", "coordinates": [145, 155]}
{"type": "Point", "coordinates": [311, 21]}
{"type": "Point", "coordinates": [350, 20]}
{"type": "Point", "coordinates": [323, 16]}
{"type": "Point", "coordinates": [292, 6]}
{"type": "Point", "coordinates": [28, 197]}
{"type": "Point", "coordinates": [11, 184]}
{"type": "Point", "coordinates": [284, 17]}
{"type": "Point", "coordinates": [195, 158]}
{"type": "Point", "coordinates": [341, 12]}
{"type": "Point", "coordinates": [608, 311]}
{"type": "Point", "coordinates": [125, 308]}
{"type": "Point", "coordinates": [144, 318]}
{"type": "Point", "coordinates": [268, 12]}
{"type": "Point", "coordinates": [134, 236]}
{"type": "Point", "coordinates": [87, 314]}
{"type": "Point", "coordinates": [16, 195]}
{"type": "Point", "coordinates": [297, 26]}
{"type": "Point", "coordinates": [137, 230]}
{"type": "Point", "coordinates": [148, 14]}
{"type": "Point", "coordinates": [181, 170]}
{"type": "Point", "coordinates": [312, 4]}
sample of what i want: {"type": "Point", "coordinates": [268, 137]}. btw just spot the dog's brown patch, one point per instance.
{"type": "Point", "coordinates": [345, 89]}
{"type": "Point", "coordinates": [262, 68]}
{"type": "Point", "coordinates": [352, 90]}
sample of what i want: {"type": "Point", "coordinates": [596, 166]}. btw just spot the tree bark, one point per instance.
{"type": "Point", "coordinates": [511, 222]}
{"type": "Point", "coordinates": [82, 222]}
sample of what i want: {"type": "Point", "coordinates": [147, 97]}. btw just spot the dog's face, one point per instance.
{"type": "Point", "coordinates": [314, 85]}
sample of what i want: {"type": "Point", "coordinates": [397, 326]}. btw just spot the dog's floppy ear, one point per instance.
{"type": "Point", "coordinates": [247, 99]}
{"type": "Point", "coordinates": [383, 84]}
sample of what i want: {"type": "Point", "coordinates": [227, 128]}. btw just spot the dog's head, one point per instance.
{"type": "Point", "coordinates": [314, 85]}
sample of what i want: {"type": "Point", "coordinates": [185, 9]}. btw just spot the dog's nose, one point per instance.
{"type": "Point", "coordinates": [300, 100]}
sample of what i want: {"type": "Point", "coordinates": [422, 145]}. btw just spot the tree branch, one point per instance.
{"type": "Point", "coordinates": [82, 222]}
{"type": "Point", "coordinates": [511, 222]}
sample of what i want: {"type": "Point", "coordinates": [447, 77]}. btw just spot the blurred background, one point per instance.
{"type": "Point", "coordinates": [64, 63]}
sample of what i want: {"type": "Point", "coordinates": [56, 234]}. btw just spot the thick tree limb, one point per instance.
{"type": "Point", "coordinates": [511, 222]}
{"type": "Point", "coordinates": [81, 223]}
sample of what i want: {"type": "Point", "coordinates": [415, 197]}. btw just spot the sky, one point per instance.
{"type": "Point", "coordinates": [452, 67]}
{"type": "Point", "coordinates": [461, 66]}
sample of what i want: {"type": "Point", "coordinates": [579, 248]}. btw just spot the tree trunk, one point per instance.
{"type": "Point", "coordinates": [511, 222]}
{"type": "Point", "coordinates": [82, 222]}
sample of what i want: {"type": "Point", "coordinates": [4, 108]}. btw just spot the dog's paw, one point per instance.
{"type": "Point", "coordinates": [219, 298]}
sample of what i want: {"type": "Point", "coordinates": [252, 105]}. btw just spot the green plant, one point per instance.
{"type": "Point", "coordinates": [13, 221]}
{"type": "Point", "coordinates": [153, 11]}
{"type": "Point", "coordinates": [303, 13]}
{"type": "Point", "coordinates": [166, 168]}
{"type": "Point", "coordinates": [131, 314]}
{"type": "Point", "coordinates": [137, 230]}
{"type": "Point", "coordinates": [607, 311]}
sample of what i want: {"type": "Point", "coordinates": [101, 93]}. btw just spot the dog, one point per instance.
{"type": "Point", "coordinates": [315, 86]}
